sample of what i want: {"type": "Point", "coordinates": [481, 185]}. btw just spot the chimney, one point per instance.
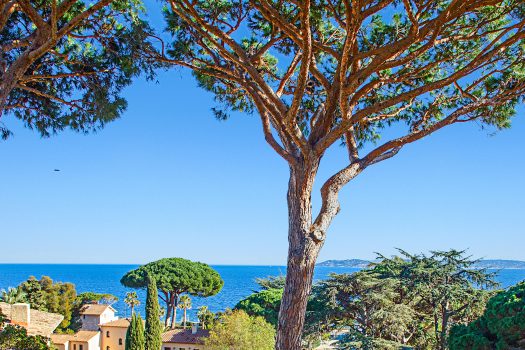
{"type": "Point", "coordinates": [194, 328]}
{"type": "Point", "coordinates": [21, 314]}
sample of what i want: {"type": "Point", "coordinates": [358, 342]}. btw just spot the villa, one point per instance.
{"type": "Point", "coordinates": [102, 330]}
{"type": "Point", "coordinates": [93, 315]}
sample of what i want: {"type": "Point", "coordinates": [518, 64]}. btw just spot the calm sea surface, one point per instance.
{"type": "Point", "coordinates": [239, 281]}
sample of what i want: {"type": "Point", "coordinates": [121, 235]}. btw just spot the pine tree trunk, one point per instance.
{"type": "Point", "coordinates": [302, 255]}
{"type": "Point", "coordinates": [168, 313]}
{"type": "Point", "coordinates": [174, 297]}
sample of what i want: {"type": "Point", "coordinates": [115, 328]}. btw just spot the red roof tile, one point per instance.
{"type": "Point", "coordinates": [185, 336]}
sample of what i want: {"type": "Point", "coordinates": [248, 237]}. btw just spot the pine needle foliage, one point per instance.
{"type": "Point", "coordinates": [135, 334]}
{"type": "Point", "coordinates": [153, 331]}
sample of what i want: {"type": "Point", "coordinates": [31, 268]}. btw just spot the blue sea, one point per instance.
{"type": "Point", "coordinates": [239, 281]}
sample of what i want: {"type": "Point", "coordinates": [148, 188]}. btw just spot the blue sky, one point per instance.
{"type": "Point", "coordinates": [167, 179]}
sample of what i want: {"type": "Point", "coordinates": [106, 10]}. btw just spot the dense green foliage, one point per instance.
{"type": "Point", "coordinates": [501, 327]}
{"type": "Point", "coordinates": [153, 331]}
{"type": "Point", "coordinates": [13, 295]}
{"type": "Point", "coordinates": [412, 300]}
{"type": "Point", "coordinates": [56, 297]}
{"type": "Point", "coordinates": [409, 300]}
{"type": "Point", "coordinates": [135, 334]}
{"type": "Point", "coordinates": [46, 295]}
{"type": "Point", "coordinates": [65, 65]}
{"type": "Point", "coordinates": [265, 303]}
{"type": "Point", "coordinates": [176, 276]}
{"type": "Point", "coordinates": [238, 330]}
{"type": "Point", "coordinates": [271, 282]}
{"type": "Point", "coordinates": [16, 338]}
{"type": "Point", "coordinates": [98, 298]}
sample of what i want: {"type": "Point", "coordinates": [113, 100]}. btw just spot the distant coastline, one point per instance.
{"type": "Point", "coordinates": [496, 264]}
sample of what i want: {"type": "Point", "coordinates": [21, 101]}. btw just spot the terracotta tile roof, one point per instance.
{"type": "Point", "coordinates": [84, 336]}
{"type": "Point", "coordinates": [184, 336]}
{"type": "Point", "coordinates": [41, 322]}
{"type": "Point", "coordinates": [95, 309]}
{"type": "Point", "coordinates": [121, 323]}
{"type": "Point", "coordinates": [80, 336]}
{"type": "Point", "coordinates": [60, 338]}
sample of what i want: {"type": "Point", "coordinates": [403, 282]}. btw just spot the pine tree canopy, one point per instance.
{"type": "Point", "coordinates": [178, 275]}
{"type": "Point", "coordinates": [64, 63]}
{"type": "Point", "coordinates": [322, 71]}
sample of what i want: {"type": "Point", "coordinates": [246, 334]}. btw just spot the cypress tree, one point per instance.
{"type": "Point", "coordinates": [153, 327]}
{"type": "Point", "coordinates": [135, 334]}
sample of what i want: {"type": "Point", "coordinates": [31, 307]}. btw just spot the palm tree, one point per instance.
{"type": "Point", "coordinates": [132, 300]}
{"type": "Point", "coordinates": [204, 314]}
{"type": "Point", "coordinates": [185, 305]}
{"type": "Point", "coordinates": [13, 296]}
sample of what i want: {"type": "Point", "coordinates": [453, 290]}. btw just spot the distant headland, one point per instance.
{"type": "Point", "coordinates": [482, 264]}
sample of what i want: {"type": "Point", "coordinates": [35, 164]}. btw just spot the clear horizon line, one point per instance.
{"type": "Point", "coordinates": [215, 264]}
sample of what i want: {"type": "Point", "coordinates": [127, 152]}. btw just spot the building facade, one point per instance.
{"type": "Point", "coordinates": [110, 333]}
{"type": "Point", "coordinates": [93, 315]}
{"type": "Point", "coordinates": [113, 334]}
{"type": "Point", "coordinates": [82, 340]}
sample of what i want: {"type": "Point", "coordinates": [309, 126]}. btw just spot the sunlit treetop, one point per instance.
{"type": "Point", "coordinates": [64, 63]}
{"type": "Point", "coordinates": [318, 71]}
{"type": "Point", "coordinates": [177, 275]}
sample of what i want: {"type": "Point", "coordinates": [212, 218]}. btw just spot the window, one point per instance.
{"type": "Point", "coordinates": [84, 317]}
{"type": "Point", "coordinates": [119, 341]}
{"type": "Point", "coordinates": [107, 347]}
{"type": "Point", "coordinates": [74, 346]}
{"type": "Point", "coordinates": [107, 334]}
{"type": "Point", "coordinates": [80, 347]}
{"type": "Point", "coordinates": [167, 348]}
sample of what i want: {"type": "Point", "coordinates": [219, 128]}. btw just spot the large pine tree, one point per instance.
{"type": "Point", "coordinates": [153, 326]}
{"type": "Point", "coordinates": [374, 75]}
{"type": "Point", "coordinates": [135, 334]}
{"type": "Point", "coordinates": [64, 63]}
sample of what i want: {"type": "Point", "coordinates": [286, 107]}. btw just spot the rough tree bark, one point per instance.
{"type": "Point", "coordinates": [306, 237]}
{"type": "Point", "coordinates": [303, 250]}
